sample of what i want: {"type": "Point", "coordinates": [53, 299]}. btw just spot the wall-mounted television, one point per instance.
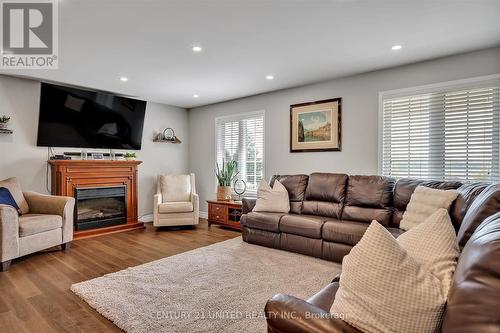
{"type": "Point", "coordinates": [81, 118]}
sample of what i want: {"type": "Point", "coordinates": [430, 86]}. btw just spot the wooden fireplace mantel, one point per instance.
{"type": "Point", "coordinates": [70, 174]}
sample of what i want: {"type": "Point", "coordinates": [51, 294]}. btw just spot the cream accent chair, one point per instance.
{"type": "Point", "coordinates": [45, 221]}
{"type": "Point", "coordinates": [176, 201]}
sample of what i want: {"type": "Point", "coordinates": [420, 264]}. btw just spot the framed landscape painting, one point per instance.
{"type": "Point", "coordinates": [316, 126]}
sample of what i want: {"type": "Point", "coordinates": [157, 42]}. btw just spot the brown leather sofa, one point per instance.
{"type": "Point", "coordinates": [329, 213]}
{"type": "Point", "coordinates": [342, 206]}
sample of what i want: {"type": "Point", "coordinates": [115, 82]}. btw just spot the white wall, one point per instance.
{"type": "Point", "coordinates": [359, 94]}
{"type": "Point", "coordinates": [19, 156]}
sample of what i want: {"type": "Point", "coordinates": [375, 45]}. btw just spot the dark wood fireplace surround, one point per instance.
{"type": "Point", "coordinates": [68, 175]}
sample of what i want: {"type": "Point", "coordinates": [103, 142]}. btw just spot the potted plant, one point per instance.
{"type": "Point", "coordinates": [4, 120]}
{"type": "Point", "coordinates": [129, 156]}
{"type": "Point", "coordinates": [225, 176]}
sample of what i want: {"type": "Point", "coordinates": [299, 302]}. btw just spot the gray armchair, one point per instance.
{"type": "Point", "coordinates": [46, 221]}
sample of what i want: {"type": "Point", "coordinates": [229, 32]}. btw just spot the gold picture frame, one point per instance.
{"type": "Point", "coordinates": [316, 126]}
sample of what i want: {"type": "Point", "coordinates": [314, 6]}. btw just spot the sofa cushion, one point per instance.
{"type": "Point", "coordinates": [326, 187]}
{"type": "Point", "coordinates": [365, 214]}
{"type": "Point", "coordinates": [404, 189]}
{"type": "Point", "coordinates": [467, 193]}
{"type": "Point", "coordinates": [412, 276]}
{"type": "Point", "coordinates": [296, 187]}
{"type": "Point", "coordinates": [262, 221]}
{"type": "Point", "coordinates": [30, 224]}
{"type": "Point", "coordinates": [369, 191]}
{"type": "Point", "coordinates": [15, 190]}
{"type": "Point", "coordinates": [486, 204]}
{"type": "Point", "coordinates": [325, 194]}
{"type": "Point", "coordinates": [175, 207]}
{"type": "Point", "coordinates": [346, 232]}
{"type": "Point", "coordinates": [6, 198]}
{"type": "Point", "coordinates": [273, 199]}
{"type": "Point", "coordinates": [302, 225]}
{"type": "Point", "coordinates": [424, 202]}
{"type": "Point", "coordinates": [368, 198]}
{"type": "Point", "coordinates": [175, 188]}
{"type": "Point", "coordinates": [322, 208]}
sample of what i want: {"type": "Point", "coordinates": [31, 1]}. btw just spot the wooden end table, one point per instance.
{"type": "Point", "coordinates": [225, 213]}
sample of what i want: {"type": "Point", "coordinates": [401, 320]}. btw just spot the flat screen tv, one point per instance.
{"type": "Point", "coordinates": [81, 118]}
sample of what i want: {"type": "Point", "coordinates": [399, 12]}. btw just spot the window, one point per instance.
{"type": "Point", "coordinates": [241, 138]}
{"type": "Point", "coordinates": [450, 134]}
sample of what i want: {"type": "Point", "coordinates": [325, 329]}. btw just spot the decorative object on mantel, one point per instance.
{"type": "Point", "coordinates": [316, 126]}
{"type": "Point", "coordinates": [130, 156]}
{"type": "Point", "coordinates": [168, 135]}
{"type": "Point", "coordinates": [4, 122]}
{"type": "Point", "coordinates": [225, 177]}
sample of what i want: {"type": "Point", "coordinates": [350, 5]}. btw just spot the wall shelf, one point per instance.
{"type": "Point", "coordinates": [6, 131]}
{"type": "Point", "coordinates": [174, 140]}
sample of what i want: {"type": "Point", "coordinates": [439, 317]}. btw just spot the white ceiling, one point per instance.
{"type": "Point", "coordinates": [299, 42]}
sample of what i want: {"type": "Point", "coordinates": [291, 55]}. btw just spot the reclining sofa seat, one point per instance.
{"type": "Point", "coordinates": [329, 213]}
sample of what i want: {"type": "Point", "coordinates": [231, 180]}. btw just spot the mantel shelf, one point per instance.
{"type": "Point", "coordinates": [6, 131]}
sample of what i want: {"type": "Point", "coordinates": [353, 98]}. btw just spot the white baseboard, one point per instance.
{"type": "Point", "coordinates": [146, 218]}
{"type": "Point", "coordinates": [204, 215]}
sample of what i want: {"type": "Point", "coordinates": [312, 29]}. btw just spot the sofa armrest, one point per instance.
{"type": "Point", "coordinates": [324, 298]}
{"type": "Point", "coordinates": [9, 233]}
{"type": "Point", "coordinates": [247, 204]}
{"type": "Point", "coordinates": [54, 205]}
{"type": "Point", "coordinates": [289, 314]}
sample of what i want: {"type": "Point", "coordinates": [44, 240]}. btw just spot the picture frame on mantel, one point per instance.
{"type": "Point", "coordinates": [316, 126]}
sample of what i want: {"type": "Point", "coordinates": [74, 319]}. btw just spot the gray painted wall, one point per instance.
{"type": "Point", "coordinates": [19, 156]}
{"type": "Point", "coordinates": [359, 153]}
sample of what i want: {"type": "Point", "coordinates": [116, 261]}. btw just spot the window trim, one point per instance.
{"type": "Point", "coordinates": [469, 83]}
{"type": "Point", "coordinates": [239, 116]}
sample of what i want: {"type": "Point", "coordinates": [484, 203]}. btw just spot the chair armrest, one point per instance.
{"type": "Point", "coordinates": [324, 298]}
{"type": "Point", "coordinates": [54, 205]}
{"type": "Point", "coordinates": [157, 200]}
{"type": "Point", "coordinates": [289, 314]}
{"type": "Point", "coordinates": [9, 233]}
{"type": "Point", "coordinates": [195, 199]}
{"type": "Point", "coordinates": [247, 204]}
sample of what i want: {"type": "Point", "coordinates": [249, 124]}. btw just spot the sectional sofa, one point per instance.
{"type": "Point", "coordinates": [329, 213]}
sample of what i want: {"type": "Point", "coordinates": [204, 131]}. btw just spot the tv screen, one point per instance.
{"type": "Point", "coordinates": [80, 118]}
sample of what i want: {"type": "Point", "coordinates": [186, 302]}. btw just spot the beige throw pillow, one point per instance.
{"type": "Point", "coordinates": [424, 202]}
{"type": "Point", "coordinates": [272, 199]}
{"type": "Point", "coordinates": [402, 285]}
{"type": "Point", "coordinates": [17, 193]}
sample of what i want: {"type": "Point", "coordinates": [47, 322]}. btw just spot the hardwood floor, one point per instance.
{"type": "Point", "coordinates": [35, 295]}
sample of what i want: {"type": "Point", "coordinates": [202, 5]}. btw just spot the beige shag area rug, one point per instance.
{"type": "Point", "coordinates": [218, 288]}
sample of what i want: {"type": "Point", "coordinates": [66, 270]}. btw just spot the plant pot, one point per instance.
{"type": "Point", "coordinates": [223, 193]}
{"type": "Point", "coordinates": [130, 158]}
{"type": "Point", "coordinates": [3, 125]}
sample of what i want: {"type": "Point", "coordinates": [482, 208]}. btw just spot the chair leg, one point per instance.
{"type": "Point", "coordinates": [5, 266]}
{"type": "Point", "coordinates": [65, 246]}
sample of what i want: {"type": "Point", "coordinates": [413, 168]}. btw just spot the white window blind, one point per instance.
{"type": "Point", "coordinates": [241, 138]}
{"type": "Point", "coordinates": [449, 135]}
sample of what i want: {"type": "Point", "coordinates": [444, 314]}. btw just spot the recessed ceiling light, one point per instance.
{"type": "Point", "coordinates": [396, 47]}
{"type": "Point", "coordinates": [269, 77]}
{"type": "Point", "coordinates": [196, 96]}
{"type": "Point", "coordinates": [197, 48]}
{"type": "Point", "coordinates": [124, 79]}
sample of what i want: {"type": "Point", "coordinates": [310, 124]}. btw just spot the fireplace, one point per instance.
{"type": "Point", "coordinates": [100, 207]}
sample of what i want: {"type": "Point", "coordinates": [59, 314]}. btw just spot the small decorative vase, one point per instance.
{"type": "Point", "coordinates": [3, 125]}
{"type": "Point", "coordinates": [223, 193]}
